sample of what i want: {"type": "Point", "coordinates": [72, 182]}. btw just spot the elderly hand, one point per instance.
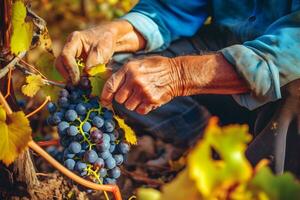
{"type": "Point", "coordinates": [96, 46]}
{"type": "Point", "coordinates": [144, 84]}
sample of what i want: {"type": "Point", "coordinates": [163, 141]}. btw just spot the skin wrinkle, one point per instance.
{"type": "Point", "coordinates": [146, 83]}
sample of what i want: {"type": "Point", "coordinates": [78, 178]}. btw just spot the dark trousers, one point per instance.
{"type": "Point", "coordinates": [182, 121]}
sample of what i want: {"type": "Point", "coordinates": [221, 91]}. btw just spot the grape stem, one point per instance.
{"type": "Point", "coordinates": [82, 123]}
{"type": "Point", "coordinates": [96, 176]}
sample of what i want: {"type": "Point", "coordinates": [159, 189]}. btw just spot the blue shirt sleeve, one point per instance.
{"type": "Point", "coordinates": [161, 22]}
{"type": "Point", "coordinates": [269, 61]}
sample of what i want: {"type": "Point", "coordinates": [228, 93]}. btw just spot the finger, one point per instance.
{"type": "Point", "coordinates": [61, 69]}
{"type": "Point", "coordinates": [133, 101]}
{"type": "Point", "coordinates": [71, 50]}
{"type": "Point", "coordinates": [123, 92]}
{"type": "Point", "coordinates": [144, 108]}
{"type": "Point", "coordinates": [111, 86]}
{"type": "Point", "coordinates": [94, 58]}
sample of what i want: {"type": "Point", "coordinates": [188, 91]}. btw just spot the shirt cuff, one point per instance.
{"type": "Point", "coordinates": [262, 76]}
{"type": "Point", "coordinates": [148, 28]}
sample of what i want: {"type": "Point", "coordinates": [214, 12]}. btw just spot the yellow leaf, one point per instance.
{"type": "Point", "coordinates": [2, 114]}
{"type": "Point", "coordinates": [97, 69]}
{"type": "Point", "coordinates": [130, 136]}
{"type": "Point", "coordinates": [214, 177]}
{"type": "Point", "coordinates": [22, 30]}
{"type": "Point", "coordinates": [34, 83]}
{"type": "Point", "coordinates": [15, 135]}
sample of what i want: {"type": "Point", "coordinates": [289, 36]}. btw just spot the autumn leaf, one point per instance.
{"type": "Point", "coordinates": [34, 83]}
{"type": "Point", "coordinates": [101, 68]}
{"type": "Point", "coordinates": [15, 134]}
{"type": "Point", "coordinates": [214, 177]}
{"type": "Point", "coordinates": [22, 30]}
{"type": "Point", "coordinates": [130, 135]}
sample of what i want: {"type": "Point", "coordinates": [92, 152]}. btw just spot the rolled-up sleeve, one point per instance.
{"type": "Point", "coordinates": [161, 22]}
{"type": "Point", "coordinates": [268, 62]}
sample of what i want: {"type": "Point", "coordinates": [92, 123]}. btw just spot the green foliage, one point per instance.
{"type": "Point", "coordinates": [230, 177]}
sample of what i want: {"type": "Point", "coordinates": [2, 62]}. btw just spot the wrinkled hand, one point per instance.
{"type": "Point", "coordinates": [96, 46]}
{"type": "Point", "coordinates": [145, 84]}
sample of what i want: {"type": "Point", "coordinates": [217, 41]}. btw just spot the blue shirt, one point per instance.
{"type": "Point", "coordinates": [269, 56]}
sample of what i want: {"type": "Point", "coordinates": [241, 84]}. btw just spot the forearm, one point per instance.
{"type": "Point", "coordinates": [128, 39]}
{"type": "Point", "coordinates": [209, 74]}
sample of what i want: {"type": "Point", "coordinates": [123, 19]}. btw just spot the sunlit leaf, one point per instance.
{"type": "Point", "coordinates": [101, 68]}
{"type": "Point", "coordinates": [2, 114]}
{"type": "Point", "coordinates": [130, 135]}
{"type": "Point", "coordinates": [15, 134]}
{"type": "Point", "coordinates": [34, 83]}
{"type": "Point", "coordinates": [22, 30]}
{"type": "Point", "coordinates": [214, 177]}
{"type": "Point", "coordinates": [45, 41]}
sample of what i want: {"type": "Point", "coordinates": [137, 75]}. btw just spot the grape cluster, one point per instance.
{"type": "Point", "coordinates": [94, 145]}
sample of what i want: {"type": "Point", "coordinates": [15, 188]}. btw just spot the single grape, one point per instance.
{"type": "Point", "coordinates": [85, 82]}
{"type": "Point", "coordinates": [105, 154]}
{"type": "Point", "coordinates": [71, 115]}
{"type": "Point", "coordinates": [103, 146]}
{"type": "Point", "coordinates": [86, 126]}
{"type": "Point", "coordinates": [50, 121]}
{"type": "Point", "coordinates": [80, 109]}
{"type": "Point", "coordinates": [119, 158]}
{"type": "Point", "coordinates": [57, 117]}
{"type": "Point", "coordinates": [90, 156]}
{"type": "Point", "coordinates": [74, 96]}
{"type": "Point", "coordinates": [75, 147]}
{"type": "Point", "coordinates": [96, 135]}
{"type": "Point", "coordinates": [110, 181]}
{"type": "Point", "coordinates": [115, 172]}
{"type": "Point", "coordinates": [64, 93]}
{"type": "Point", "coordinates": [51, 107]}
{"type": "Point", "coordinates": [112, 147]}
{"type": "Point", "coordinates": [123, 147]}
{"type": "Point", "coordinates": [92, 115]}
{"type": "Point", "coordinates": [108, 115]}
{"type": "Point", "coordinates": [62, 127]}
{"type": "Point", "coordinates": [80, 166]}
{"type": "Point", "coordinates": [102, 172]}
{"type": "Point", "coordinates": [99, 163]}
{"type": "Point", "coordinates": [112, 137]}
{"type": "Point", "coordinates": [110, 162]}
{"type": "Point", "coordinates": [106, 138]}
{"type": "Point", "coordinates": [68, 154]}
{"type": "Point", "coordinates": [63, 102]}
{"type": "Point", "coordinates": [98, 121]}
{"type": "Point", "coordinates": [109, 125]}
{"type": "Point", "coordinates": [72, 130]}
{"type": "Point", "coordinates": [69, 163]}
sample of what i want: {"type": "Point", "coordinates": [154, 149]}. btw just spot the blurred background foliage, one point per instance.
{"type": "Point", "coordinates": [66, 16]}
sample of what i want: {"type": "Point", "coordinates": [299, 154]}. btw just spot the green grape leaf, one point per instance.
{"type": "Point", "coordinates": [214, 177]}
{"type": "Point", "coordinates": [275, 187]}
{"type": "Point", "coordinates": [15, 133]}
{"type": "Point", "coordinates": [22, 31]}
{"type": "Point", "coordinates": [97, 84]}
